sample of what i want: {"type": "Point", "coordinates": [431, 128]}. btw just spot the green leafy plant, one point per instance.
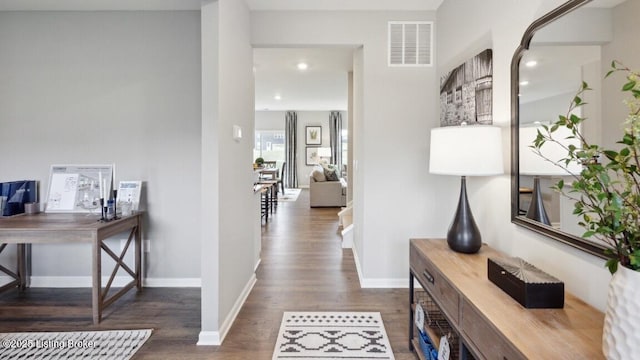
{"type": "Point", "coordinates": [606, 193]}
{"type": "Point", "coordinates": [259, 161]}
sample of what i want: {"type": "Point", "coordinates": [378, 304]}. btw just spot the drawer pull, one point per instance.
{"type": "Point", "coordinates": [428, 276]}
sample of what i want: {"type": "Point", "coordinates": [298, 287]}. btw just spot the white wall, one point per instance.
{"type": "Point", "coordinates": [210, 183]}
{"type": "Point", "coordinates": [236, 104]}
{"type": "Point", "coordinates": [228, 231]}
{"type": "Point", "coordinates": [484, 25]}
{"type": "Point", "coordinates": [624, 49]}
{"type": "Point", "coordinates": [108, 87]}
{"type": "Point", "coordinates": [393, 141]}
{"type": "Point", "coordinates": [269, 120]}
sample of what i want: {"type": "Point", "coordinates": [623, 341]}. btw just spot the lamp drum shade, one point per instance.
{"type": "Point", "coordinates": [324, 152]}
{"type": "Point", "coordinates": [468, 150]}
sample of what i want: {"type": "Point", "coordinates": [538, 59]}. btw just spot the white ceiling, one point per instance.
{"type": "Point", "coordinates": [96, 5]}
{"type": "Point", "coordinates": [343, 4]}
{"type": "Point", "coordinates": [323, 86]}
{"type": "Point", "coordinates": [558, 70]}
{"type": "Point", "coordinates": [604, 3]}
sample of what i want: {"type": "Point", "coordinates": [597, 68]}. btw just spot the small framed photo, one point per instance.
{"type": "Point", "coordinates": [312, 155]}
{"type": "Point", "coordinates": [313, 135]}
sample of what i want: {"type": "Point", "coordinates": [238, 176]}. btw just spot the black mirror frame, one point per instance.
{"type": "Point", "coordinates": [523, 221]}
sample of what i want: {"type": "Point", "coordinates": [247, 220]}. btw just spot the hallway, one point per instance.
{"type": "Point", "coordinates": [303, 268]}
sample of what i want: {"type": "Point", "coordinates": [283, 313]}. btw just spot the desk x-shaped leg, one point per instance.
{"type": "Point", "coordinates": [16, 278]}
{"type": "Point", "coordinates": [21, 276]}
{"type": "Point", "coordinates": [101, 298]}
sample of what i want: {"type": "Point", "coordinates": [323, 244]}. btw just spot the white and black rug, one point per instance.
{"type": "Point", "coordinates": [103, 345]}
{"type": "Point", "coordinates": [289, 195]}
{"type": "Point", "coordinates": [332, 335]}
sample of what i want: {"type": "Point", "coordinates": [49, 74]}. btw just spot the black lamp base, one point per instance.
{"type": "Point", "coordinates": [463, 235]}
{"type": "Point", "coordinates": [536, 208]}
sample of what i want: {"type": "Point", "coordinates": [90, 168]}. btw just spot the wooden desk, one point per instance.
{"type": "Point", "coordinates": [54, 228]}
{"type": "Point", "coordinates": [489, 323]}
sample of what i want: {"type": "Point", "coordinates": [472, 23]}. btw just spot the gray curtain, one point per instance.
{"type": "Point", "coordinates": [335, 137]}
{"type": "Point", "coordinates": [290, 146]}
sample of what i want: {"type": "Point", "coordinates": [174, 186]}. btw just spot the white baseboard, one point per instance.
{"type": "Point", "coordinates": [377, 283]}
{"type": "Point", "coordinates": [118, 281]}
{"type": "Point", "coordinates": [255, 268]}
{"type": "Point", "coordinates": [357, 261]}
{"type": "Point", "coordinates": [384, 283]}
{"type": "Point", "coordinates": [172, 282]}
{"type": "Point", "coordinates": [209, 338]}
{"type": "Point", "coordinates": [217, 337]}
{"type": "Point", "coordinates": [347, 237]}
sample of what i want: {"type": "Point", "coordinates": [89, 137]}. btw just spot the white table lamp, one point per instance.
{"type": "Point", "coordinates": [324, 152]}
{"type": "Point", "coordinates": [467, 150]}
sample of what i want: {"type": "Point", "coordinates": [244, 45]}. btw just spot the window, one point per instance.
{"type": "Point", "coordinates": [269, 145]}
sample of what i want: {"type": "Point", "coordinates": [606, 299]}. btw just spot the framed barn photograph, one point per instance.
{"type": "Point", "coordinates": [466, 92]}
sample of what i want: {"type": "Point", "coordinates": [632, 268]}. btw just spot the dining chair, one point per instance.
{"type": "Point", "coordinates": [280, 178]}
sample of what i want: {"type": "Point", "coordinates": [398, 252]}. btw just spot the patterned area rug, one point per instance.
{"type": "Point", "coordinates": [103, 345]}
{"type": "Point", "coordinates": [289, 195]}
{"type": "Point", "coordinates": [332, 335]}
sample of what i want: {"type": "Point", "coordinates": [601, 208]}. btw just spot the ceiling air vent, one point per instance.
{"type": "Point", "coordinates": [410, 43]}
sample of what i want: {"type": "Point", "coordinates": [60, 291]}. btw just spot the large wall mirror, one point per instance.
{"type": "Point", "coordinates": [575, 42]}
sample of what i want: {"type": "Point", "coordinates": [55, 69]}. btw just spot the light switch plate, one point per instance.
{"type": "Point", "coordinates": [237, 133]}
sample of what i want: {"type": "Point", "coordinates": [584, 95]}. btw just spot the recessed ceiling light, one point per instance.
{"type": "Point", "coordinates": [524, 83]}
{"type": "Point", "coordinates": [302, 66]}
{"type": "Point", "coordinates": [277, 97]}
{"type": "Point", "coordinates": [531, 63]}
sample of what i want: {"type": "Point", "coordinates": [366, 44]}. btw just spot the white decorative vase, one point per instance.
{"type": "Point", "coordinates": [621, 333]}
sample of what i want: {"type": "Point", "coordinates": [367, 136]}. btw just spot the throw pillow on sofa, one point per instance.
{"type": "Point", "coordinates": [318, 175]}
{"type": "Point", "coordinates": [331, 173]}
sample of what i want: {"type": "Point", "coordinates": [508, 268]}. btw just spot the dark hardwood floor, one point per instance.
{"type": "Point", "coordinates": [303, 268]}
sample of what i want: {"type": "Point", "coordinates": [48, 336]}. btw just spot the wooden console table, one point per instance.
{"type": "Point", "coordinates": [489, 323]}
{"type": "Point", "coordinates": [53, 228]}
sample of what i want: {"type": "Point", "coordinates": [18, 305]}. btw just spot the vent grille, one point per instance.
{"type": "Point", "coordinates": [410, 43]}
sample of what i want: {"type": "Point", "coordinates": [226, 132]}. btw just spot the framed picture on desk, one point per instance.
{"type": "Point", "coordinates": [78, 188]}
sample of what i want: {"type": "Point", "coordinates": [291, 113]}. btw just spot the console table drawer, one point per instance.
{"type": "Point", "coordinates": [484, 337]}
{"type": "Point", "coordinates": [439, 288]}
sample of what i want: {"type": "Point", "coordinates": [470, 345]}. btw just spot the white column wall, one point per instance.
{"type": "Point", "coordinates": [228, 202]}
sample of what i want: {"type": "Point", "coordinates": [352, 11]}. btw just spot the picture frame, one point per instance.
{"type": "Point", "coordinates": [129, 192]}
{"type": "Point", "coordinates": [78, 188]}
{"type": "Point", "coordinates": [313, 135]}
{"type": "Point", "coordinates": [311, 155]}
{"type": "Point", "coordinates": [466, 92]}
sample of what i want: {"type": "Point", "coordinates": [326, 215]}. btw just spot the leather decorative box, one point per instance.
{"type": "Point", "coordinates": [528, 285]}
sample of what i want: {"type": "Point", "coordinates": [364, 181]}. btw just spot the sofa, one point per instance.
{"type": "Point", "coordinates": [326, 191]}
